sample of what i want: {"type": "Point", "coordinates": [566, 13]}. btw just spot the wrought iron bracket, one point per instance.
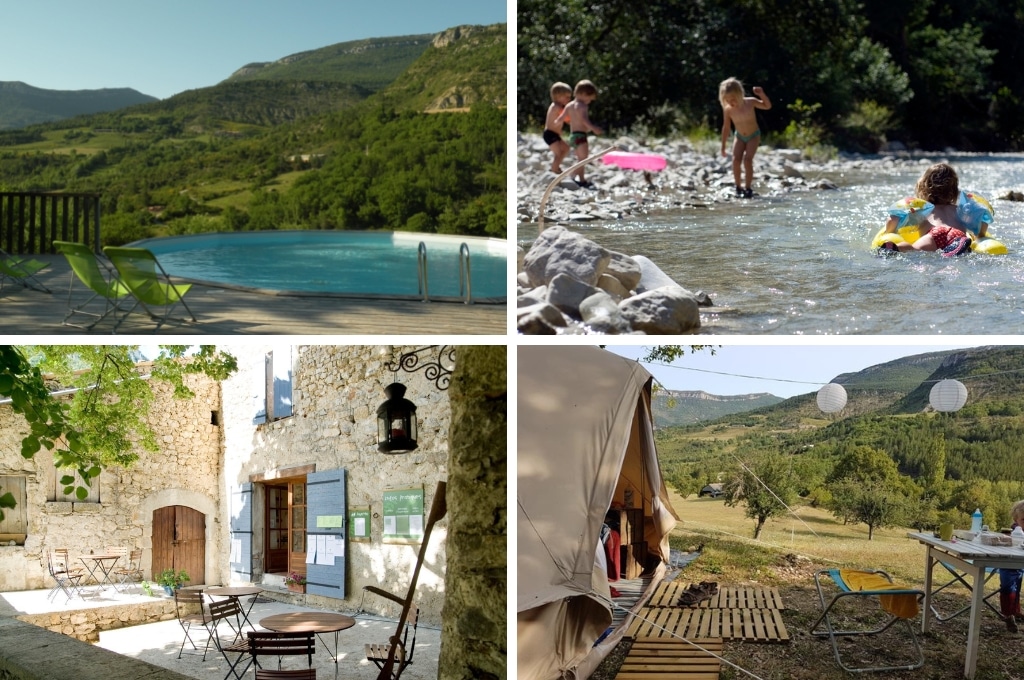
{"type": "Point", "coordinates": [438, 370]}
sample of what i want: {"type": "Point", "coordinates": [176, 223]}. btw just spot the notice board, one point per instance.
{"type": "Point", "coordinates": [403, 515]}
{"type": "Point", "coordinates": [359, 523]}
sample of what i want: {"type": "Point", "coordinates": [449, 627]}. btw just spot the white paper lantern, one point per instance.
{"type": "Point", "coordinates": [948, 395]}
{"type": "Point", "coordinates": [831, 398]}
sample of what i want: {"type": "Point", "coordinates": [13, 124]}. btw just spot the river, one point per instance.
{"type": "Point", "coordinates": [801, 263]}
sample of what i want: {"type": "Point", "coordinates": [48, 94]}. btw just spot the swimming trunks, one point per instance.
{"type": "Point", "coordinates": [746, 138]}
{"type": "Point", "coordinates": [577, 138]}
{"type": "Point", "coordinates": [550, 137]}
{"type": "Point", "coordinates": [944, 235]}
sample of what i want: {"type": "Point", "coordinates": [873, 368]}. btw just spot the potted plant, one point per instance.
{"type": "Point", "coordinates": [296, 582]}
{"type": "Point", "coordinates": [172, 580]}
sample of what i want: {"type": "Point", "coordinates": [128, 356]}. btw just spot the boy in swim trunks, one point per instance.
{"type": "Point", "coordinates": [561, 93]}
{"type": "Point", "coordinates": [941, 230]}
{"type": "Point", "coordinates": [576, 112]}
{"type": "Point", "coordinates": [739, 112]}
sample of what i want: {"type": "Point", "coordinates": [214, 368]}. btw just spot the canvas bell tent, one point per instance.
{"type": "Point", "coordinates": [585, 443]}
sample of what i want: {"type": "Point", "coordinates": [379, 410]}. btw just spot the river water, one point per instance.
{"type": "Point", "coordinates": [801, 263]}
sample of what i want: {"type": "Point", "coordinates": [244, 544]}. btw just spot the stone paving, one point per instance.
{"type": "Point", "coordinates": [158, 643]}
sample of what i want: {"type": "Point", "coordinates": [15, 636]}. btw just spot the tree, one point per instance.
{"type": "Point", "coordinates": [765, 490]}
{"type": "Point", "coordinates": [104, 422]}
{"type": "Point", "coordinates": [874, 503]}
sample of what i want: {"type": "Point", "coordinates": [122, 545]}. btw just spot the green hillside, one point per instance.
{"type": "Point", "coordinates": [287, 153]}
{"type": "Point", "coordinates": [22, 105]}
{"type": "Point", "coordinates": [371, 64]}
{"type": "Point", "coordinates": [948, 461]}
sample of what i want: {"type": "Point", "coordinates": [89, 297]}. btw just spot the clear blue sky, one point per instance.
{"type": "Point", "coordinates": [163, 48]}
{"type": "Point", "coordinates": [816, 364]}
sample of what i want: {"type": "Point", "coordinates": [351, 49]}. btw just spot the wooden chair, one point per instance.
{"type": "Point", "coordinates": [188, 607]}
{"type": "Point", "coordinates": [378, 653]}
{"type": "Point", "coordinates": [229, 612]}
{"type": "Point", "coordinates": [270, 643]}
{"type": "Point", "coordinates": [303, 674]}
{"type": "Point", "coordinates": [131, 572]}
{"type": "Point", "coordinates": [395, 660]}
{"type": "Point", "coordinates": [64, 581]}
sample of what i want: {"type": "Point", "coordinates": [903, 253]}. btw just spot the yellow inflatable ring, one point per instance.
{"type": "Point", "coordinates": [985, 245]}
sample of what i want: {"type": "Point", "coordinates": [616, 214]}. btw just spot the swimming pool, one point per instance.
{"type": "Point", "coordinates": [362, 264]}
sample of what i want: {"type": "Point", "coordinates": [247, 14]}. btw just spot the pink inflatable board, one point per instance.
{"type": "Point", "coordinates": [634, 161]}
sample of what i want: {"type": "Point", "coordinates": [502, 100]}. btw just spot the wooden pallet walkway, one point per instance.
{"type": "Point", "coordinates": [727, 597]}
{"type": "Point", "coordinates": [747, 625]}
{"type": "Point", "coordinates": [651, 659]}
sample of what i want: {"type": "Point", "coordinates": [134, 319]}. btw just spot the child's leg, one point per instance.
{"type": "Point", "coordinates": [737, 160]}
{"type": "Point", "coordinates": [926, 242]}
{"type": "Point", "coordinates": [560, 149]}
{"type": "Point", "coordinates": [582, 153]}
{"type": "Point", "coordinates": [748, 159]}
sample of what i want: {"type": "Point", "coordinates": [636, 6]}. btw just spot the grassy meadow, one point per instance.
{"type": "Point", "coordinates": [808, 536]}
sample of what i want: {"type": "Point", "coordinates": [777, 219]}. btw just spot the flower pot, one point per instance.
{"type": "Point", "coordinates": [297, 587]}
{"type": "Point", "coordinates": [169, 590]}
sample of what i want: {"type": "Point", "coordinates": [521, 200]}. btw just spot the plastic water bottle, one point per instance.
{"type": "Point", "coordinates": [976, 521]}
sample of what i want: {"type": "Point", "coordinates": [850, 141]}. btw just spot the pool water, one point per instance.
{"type": "Point", "coordinates": [328, 262]}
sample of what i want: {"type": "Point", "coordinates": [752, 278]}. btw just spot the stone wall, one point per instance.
{"type": "Point", "coordinates": [86, 624]}
{"type": "Point", "coordinates": [185, 471]}
{"type": "Point", "coordinates": [336, 392]}
{"type": "Point", "coordinates": [473, 632]}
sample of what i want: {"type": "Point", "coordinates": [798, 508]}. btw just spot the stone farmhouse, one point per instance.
{"type": "Point", "coordinates": [277, 470]}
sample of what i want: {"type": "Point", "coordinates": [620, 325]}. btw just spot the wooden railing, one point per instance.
{"type": "Point", "coordinates": [30, 221]}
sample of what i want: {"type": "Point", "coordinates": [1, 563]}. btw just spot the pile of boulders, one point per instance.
{"type": "Point", "coordinates": [569, 284]}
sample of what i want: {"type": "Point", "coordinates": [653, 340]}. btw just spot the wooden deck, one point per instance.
{"type": "Point", "coordinates": [224, 311]}
{"type": "Point", "coordinates": [748, 613]}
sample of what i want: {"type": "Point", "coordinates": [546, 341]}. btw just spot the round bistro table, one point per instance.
{"type": "Point", "coordinates": [235, 593]}
{"type": "Point", "coordinates": [310, 622]}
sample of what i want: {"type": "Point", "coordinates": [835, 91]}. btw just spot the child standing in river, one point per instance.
{"type": "Point", "coordinates": [561, 94]}
{"type": "Point", "coordinates": [577, 113]}
{"type": "Point", "coordinates": [739, 111]}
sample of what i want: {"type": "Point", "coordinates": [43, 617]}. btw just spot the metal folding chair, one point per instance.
{"type": "Point", "coordinates": [64, 581]}
{"type": "Point", "coordinates": [898, 604]}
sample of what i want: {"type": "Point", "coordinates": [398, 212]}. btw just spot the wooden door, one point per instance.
{"type": "Point", "coordinates": [179, 542]}
{"type": "Point", "coordinates": [277, 530]}
{"type": "Point", "coordinates": [297, 535]}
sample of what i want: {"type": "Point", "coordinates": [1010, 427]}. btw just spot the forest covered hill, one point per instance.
{"type": "Point", "coordinates": [284, 151]}
{"type": "Point", "coordinates": [22, 105]}
{"type": "Point", "coordinates": [948, 461]}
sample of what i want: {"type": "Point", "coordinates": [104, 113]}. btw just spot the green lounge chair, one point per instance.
{"type": "Point", "coordinates": [21, 270]}
{"type": "Point", "coordinates": [152, 287]}
{"type": "Point", "coordinates": [98, 277]}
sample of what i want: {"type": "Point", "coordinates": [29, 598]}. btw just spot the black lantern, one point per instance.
{"type": "Point", "coordinates": [396, 422]}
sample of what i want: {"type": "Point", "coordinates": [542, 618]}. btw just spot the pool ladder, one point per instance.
{"type": "Point", "coordinates": [465, 279]}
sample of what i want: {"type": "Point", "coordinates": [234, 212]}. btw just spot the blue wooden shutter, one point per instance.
{"type": "Point", "coordinates": [241, 533]}
{"type": "Point", "coordinates": [325, 497]}
{"type": "Point", "coordinates": [259, 392]}
{"type": "Point", "coordinates": [282, 372]}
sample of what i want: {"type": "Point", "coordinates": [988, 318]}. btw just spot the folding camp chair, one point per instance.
{"type": "Point", "coordinates": [21, 271]}
{"type": "Point", "coordinates": [959, 578]}
{"type": "Point", "coordinates": [100, 278]}
{"type": "Point", "coordinates": [152, 287]}
{"type": "Point", "coordinates": [898, 604]}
